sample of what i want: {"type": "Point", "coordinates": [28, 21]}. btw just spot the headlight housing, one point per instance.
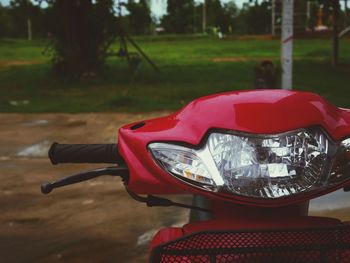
{"type": "Point", "coordinates": [260, 166]}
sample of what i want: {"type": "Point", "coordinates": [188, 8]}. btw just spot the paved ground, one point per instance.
{"type": "Point", "coordinates": [95, 221]}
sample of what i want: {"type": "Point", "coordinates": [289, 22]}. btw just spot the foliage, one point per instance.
{"type": "Point", "coordinates": [139, 17]}
{"type": "Point", "coordinates": [221, 16]}
{"type": "Point", "coordinates": [82, 31]}
{"type": "Point", "coordinates": [180, 16]}
{"type": "Point", "coordinates": [6, 22]}
{"type": "Point", "coordinates": [214, 12]}
{"type": "Point", "coordinates": [255, 18]}
{"type": "Point", "coordinates": [229, 18]}
{"type": "Point", "coordinates": [186, 17]}
{"type": "Point", "coordinates": [13, 19]}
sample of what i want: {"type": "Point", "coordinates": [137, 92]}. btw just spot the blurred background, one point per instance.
{"type": "Point", "coordinates": [74, 71]}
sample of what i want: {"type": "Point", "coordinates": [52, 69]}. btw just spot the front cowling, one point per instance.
{"type": "Point", "coordinates": [259, 117]}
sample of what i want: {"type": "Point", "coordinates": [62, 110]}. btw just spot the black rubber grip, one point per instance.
{"type": "Point", "coordinates": [84, 153]}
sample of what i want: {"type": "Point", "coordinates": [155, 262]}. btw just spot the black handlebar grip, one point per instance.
{"type": "Point", "coordinates": [84, 153]}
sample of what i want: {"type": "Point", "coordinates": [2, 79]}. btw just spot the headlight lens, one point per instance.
{"type": "Point", "coordinates": [341, 165]}
{"type": "Point", "coordinates": [270, 166]}
{"type": "Point", "coordinates": [183, 163]}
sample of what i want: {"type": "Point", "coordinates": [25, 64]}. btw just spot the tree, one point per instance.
{"type": "Point", "coordinates": [220, 15]}
{"type": "Point", "coordinates": [140, 17]}
{"type": "Point", "coordinates": [82, 31]}
{"type": "Point", "coordinates": [255, 18]}
{"type": "Point", "coordinates": [180, 16]}
{"type": "Point", "coordinates": [20, 11]}
{"type": "Point", "coordinates": [6, 22]}
{"type": "Point", "coordinates": [228, 20]}
{"type": "Point", "coordinates": [214, 13]}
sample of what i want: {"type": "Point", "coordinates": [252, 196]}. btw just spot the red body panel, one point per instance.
{"type": "Point", "coordinates": [258, 112]}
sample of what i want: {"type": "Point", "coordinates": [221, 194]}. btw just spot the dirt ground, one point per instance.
{"type": "Point", "coordinates": [95, 221]}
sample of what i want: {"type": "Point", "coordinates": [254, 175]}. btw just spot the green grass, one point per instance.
{"type": "Point", "coordinates": [188, 71]}
{"type": "Point", "coordinates": [19, 49]}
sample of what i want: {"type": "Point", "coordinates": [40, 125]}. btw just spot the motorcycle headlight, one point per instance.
{"type": "Point", "coordinates": [263, 166]}
{"type": "Point", "coordinates": [341, 165]}
{"type": "Point", "coordinates": [183, 163]}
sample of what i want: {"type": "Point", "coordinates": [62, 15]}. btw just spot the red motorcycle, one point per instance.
{"type": "Point", "coordinates": [253, 160]}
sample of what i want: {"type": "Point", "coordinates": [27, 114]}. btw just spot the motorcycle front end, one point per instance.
{"type": "Point", "coordinates": [256, 157]}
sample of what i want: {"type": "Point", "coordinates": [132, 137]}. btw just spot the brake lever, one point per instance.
{"type": "Point", "coordinates": [121, 171]}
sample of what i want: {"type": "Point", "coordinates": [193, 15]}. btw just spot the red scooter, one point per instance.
{"type": "Point", "coordinates": [253, 160]}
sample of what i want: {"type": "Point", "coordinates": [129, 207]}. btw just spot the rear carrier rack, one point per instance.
{"type": "Point", "coordinates": [327, 244]}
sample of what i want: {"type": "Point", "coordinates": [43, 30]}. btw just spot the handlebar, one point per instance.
{"type": "Point", "coordinates": [84, 153]}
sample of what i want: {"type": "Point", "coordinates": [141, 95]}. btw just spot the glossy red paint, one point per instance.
{"type": "Point", "coordinates": [257, 112]}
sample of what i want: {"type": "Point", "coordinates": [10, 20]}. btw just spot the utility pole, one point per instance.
{"type": "Point", "coordinates": [204, 16]}
{"type": "Point", "coordinates": [273, 17]}
{"type": "Point", "coordinates": [287, 44]}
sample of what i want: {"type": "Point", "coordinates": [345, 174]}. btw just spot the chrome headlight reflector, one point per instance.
{"type": "Point", "coordinates": [341, 165]}
{"type": "Point", "coordinates": [262, 166]}
{"type": "Point", "coordinates": [183, 163]}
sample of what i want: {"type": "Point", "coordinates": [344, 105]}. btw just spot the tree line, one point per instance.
{"type": "Point", "coordinates": [14, 17]}
{"type": "Point", "coordinates": [81, 31]}
{"type": "Point", "coordinates": [182, 16]}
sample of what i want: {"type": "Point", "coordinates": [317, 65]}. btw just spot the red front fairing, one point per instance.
{"type": "Point", "coordinates": [256, 112]}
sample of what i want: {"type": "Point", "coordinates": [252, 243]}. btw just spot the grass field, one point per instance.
{"type": "Point", "coordinates": [190, 68]}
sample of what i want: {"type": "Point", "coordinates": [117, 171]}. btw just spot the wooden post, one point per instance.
{"type": "Point", "coordinates": [287, 44]}
{"type": "Point", "coordinates": [29, 22]}
{"type": "Point", "coordinates": [29, 27]}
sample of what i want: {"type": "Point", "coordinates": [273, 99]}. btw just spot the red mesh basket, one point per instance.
{"type": "Point", "coordinates": [327, 244]}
